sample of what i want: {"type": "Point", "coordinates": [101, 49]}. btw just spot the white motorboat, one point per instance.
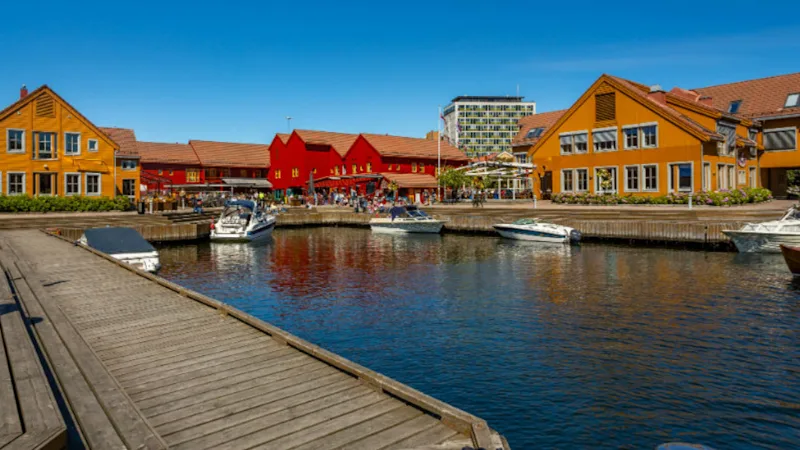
{"type": "Point", "coordinates": [243, 221]}
{"type": "Point", "coordinates": [767, 237]}
{"type": "Point", "coordinates": [406, 219]}
{"type": "Point", "coordinates": [124, 244]}
{"type": "Point", "coordinates": [536, 230]}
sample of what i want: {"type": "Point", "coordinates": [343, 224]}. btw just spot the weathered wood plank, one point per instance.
{"type": "Point", "coordinates": [435, 434]}
{"type": "Point", "coordinates": [10, 420]}
{"type": "Point", "coordinates": [398, 432]}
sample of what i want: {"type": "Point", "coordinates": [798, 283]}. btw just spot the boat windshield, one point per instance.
{"type": "Point", "coordinates": [525, 221]}
{"type": "Point", "coordinates": [417, 213]}
{"type": "Point", "coordinates": [792, 214]}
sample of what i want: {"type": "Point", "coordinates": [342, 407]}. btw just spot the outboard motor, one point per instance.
{"type": "Point", "coordinates": [575, 236]}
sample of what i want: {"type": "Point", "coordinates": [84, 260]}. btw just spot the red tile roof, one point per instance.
{"type": "Point", "coordinates": [411, 180]}
{"type": "Point", "coordinates": [543, 120]}
{"type": "Point", "coordinates": [763, 97]}
{"type": "Point", "coordinates": [283, 137]}
{"type": "Point", "coordinates": [340, 142]}
{"type": "Point", "coordinates": [229, 154]}
{"type": "Point", "coordinates": [158, 152]}
{"type": "Point", "coordinates": [407, 147]}
{"type": "Point", "coordinates": [125, 137]}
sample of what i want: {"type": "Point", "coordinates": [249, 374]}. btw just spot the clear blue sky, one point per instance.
{"type": "Point", "coordinates": [229, 71]}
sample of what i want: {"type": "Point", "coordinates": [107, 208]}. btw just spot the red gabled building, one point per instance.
{"type": "Point", "coordinates": [233, 165]}
{"type": "Point", "coordinates": [168, 165]}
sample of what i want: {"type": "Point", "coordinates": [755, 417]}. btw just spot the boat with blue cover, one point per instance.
{"type": "Point", "coordinates": [532, 229]}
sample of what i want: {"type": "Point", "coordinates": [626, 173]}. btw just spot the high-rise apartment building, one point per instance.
{"type": "Point", "coordinates": [482, 125]}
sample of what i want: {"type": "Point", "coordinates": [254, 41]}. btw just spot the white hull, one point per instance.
{"type": "Point", "coordinates": [249, 236]}
{"type": "Point", "coordinates": [406, 226]}
{"type": "Point", "coordinates": [511, 234]}
{"type": "Point", "coordinates": [148, 262]}
{"type": "Point", "coordinates": [757, 242]}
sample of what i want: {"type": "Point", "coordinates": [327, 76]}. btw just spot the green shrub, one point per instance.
{"type": "Point", "coordinates": [715, 198]}
{"type": "Point", "coordinates": [24, 203]}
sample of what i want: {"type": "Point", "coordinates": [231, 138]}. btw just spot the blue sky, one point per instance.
{"type": "Point", "coordinates": [233, 71]}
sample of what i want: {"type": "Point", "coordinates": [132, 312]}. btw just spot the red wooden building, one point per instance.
{"type": "Point", "coordinates": [168, 165]}
{"type": "Point", "coordinates": [233, 165]}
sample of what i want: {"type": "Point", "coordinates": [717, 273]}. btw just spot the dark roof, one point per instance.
{"type": "Point", "coordinates": [116, 240]}
{"type": "Point", "coordinates": [543, 120]}
{"type": "Point", "coordinates": [486, 98]}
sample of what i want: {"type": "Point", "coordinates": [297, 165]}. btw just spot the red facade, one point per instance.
{"type": "Point", "coordinates": [297, 157]}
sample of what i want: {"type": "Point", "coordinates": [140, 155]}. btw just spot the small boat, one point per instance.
{"type": "Point", "coordinates": [242, 221]}
{"type": "Point", "coordinates": [124, 244]}
{"type": "Point", "coordinates": [792, 257]}
{"type": "Point", "coordinates": [406, 219]}
{"type": "Point", "coordinates": [766, 237]}
{"type": "Point", "coordinates": [535, 230]}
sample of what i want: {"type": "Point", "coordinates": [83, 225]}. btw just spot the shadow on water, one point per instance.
{"type": "Point", "coordinates": [587, 346]}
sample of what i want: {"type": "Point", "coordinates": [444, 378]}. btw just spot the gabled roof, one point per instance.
{"type": "Point", "coordinates": [158, 152]}
{"type": "Point", "coordinates": [407, 147]}
{"type": "Point", "coordinates": [411, 180]}
{"type": "Point", "coordinates": [542, 120]}
{"type": "Point", "coordinates": [229, 154]}
{"type": "Point", "coordinates": [340, 142]}
{"type": "Point", "coordinates": [125, 137]}
{"type": "Point", "coordinates": [283, 137]}
{"type": "Point", "coordinates": [761, 98]}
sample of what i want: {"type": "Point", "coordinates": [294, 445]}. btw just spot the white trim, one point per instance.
{"type": "Point", "coordinates": [570, 133]}
{"type": "Point", "coordinates": [767, 130]}
{"type": "Point", "coordinates": [575, 176]}
{"type": "Point", "coordinates": [99, 184]}
{"type": "Point", "coordinates": [594, 130]}
{"type": "Point", "coordinates": [122, 164]}
{"type": "Point", "coordinates": [706, 179]}
{"type": "Point", "coordinates": [89, 147]}
{"type": "Point", "coordinates": [638, 168]}
{"type": "Point", "coordinates": [8, 141]}
{"type": "Point", "coordinates": [670, 174]}
{"type": "Point", "coordinates": [625, 138]}
{"type": "Point", "coordinates": [642, 140]}
{"type": "Point", "coordinates": [66, 174]}
{"type": "Point", "coordinates": [644, 177]}
{"type": "Point", "coordinates": [753, 174]}
{"type": "Point", "coordinates": [572, 174]}
{"type": "Point", "coordinates": [616, 180]}
{"type": "Point", "coordinates": [65, 143]}
{"type": "Point", "coordinates": [625, 127]}
{"type": "Point", "coordinates": [24, 182]}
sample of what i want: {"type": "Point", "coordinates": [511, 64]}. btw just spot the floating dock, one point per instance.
{"type": "Point", "coordinates": [100, 355]}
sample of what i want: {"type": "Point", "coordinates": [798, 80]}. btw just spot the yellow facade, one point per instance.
{"type": "Point", "coordinates": [656, 166]}
{"type": "Point", "coordinates": [48, 148]}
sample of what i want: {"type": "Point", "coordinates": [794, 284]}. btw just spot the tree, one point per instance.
{"type": "Point", "coordinates": [452, 178]}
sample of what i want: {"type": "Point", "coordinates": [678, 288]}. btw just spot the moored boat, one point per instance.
{"type": "Point", "coordinates": [124, 244]}
{"type": "Point", "coordinates": [533, 229]}
{"type": "Point", "coordinates": [767, 237]}
{"type": "Point", "coordinates": [243, 221]}
{"type": "Point", "coordinates": [792, 257]}
{"type": "Point", "coordinates": [406, 219]}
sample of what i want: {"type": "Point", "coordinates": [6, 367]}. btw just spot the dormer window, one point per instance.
{"type": "Point", "coordinates": [792, 101]}
{"type": "Point", "coordinates": [534, 133]}
{"type": "Point", "coordinates": [733, 108]}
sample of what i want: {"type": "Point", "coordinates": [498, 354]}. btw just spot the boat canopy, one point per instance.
{"type": "Point", "coordinates": [526, 221]}
{"type": "Point", "coordinates": [116, 240]}
{"type": "Point", "coordinates": [249, 204]}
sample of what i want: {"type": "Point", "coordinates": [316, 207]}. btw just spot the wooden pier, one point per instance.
{"type": "Point", "coordinates": [141, 363]}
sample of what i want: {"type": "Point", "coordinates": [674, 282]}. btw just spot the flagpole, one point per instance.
{"type": "Point", "coordinates": [439, 154]}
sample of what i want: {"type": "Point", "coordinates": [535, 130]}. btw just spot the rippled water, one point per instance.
{"type": "Point", "coordinates": [557, 347]}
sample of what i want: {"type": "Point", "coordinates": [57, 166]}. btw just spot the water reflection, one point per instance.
{"type": "Point", "coordinates": [558, 347]}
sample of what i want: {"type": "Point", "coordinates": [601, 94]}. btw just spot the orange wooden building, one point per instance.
{"type": "Point", "coordinates": [49, 148]}
{"type": "Point", "coordinates": [627, 138]}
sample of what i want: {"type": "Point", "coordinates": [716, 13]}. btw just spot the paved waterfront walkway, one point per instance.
{"type": "Point", "coordinates": [170, 368]}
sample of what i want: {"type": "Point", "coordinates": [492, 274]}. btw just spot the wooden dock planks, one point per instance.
{"type": "Point", "coordinates": [201, 375]}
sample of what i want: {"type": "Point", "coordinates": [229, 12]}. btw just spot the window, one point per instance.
{"type": "Point", "coordinates": [581, 142]}
{"type": "Point", "coordinates": [224, 173]}
{"type": "Point", "coordinates": [295, 172]}
{"type": "Point", "coordinates": [72, 184]}
{"type": "Point", "coordinates": [421, 167]}
{"type": "Point", "coordinates": [72, 143]}
{"type": "Point", "coordinates": [277, 174]}
{"type": "Point", "coordinates": [534, 133]}
{"type": "Point", "coordinates": [706, 176]}
{"type": "Point", "coordinates": [161, 172]}
{"type": "Point", "coordinates": [650, 136]}
{"type": "Point", "coordinates": [129, 188]}
{"type": "Point", "coordinates": [680, 177]}
{"type": "Point", "coordinates": [742, 178]}
{"type": "Point", "coordinates": [632, 178]}
{"type": "Point", "coordinates": [729, 132]}
{"type": "Point", "coordinates": [733, 107]}
{"type": "Point", "coordinates": [650, 174]}
{"type": "Point", "coordinates": [129, 164]}
{"type": "Point", "coordinates": [722, 177]}
{"type": "Point", "coordinates": [567, 184]}
{"type": "Point", "coordinates": [336, 170]}
{"type": "Point", "coordinates": [192, 175]}
{"type": "Point", "coordinates": [792, 101]}
{"type": "Point", "coordinates": [344, 172]}
{"type": "Point", "coordinates": [753, 135]}
{"type": "Point", "coordinates": [753, 178]}
{"type": "Point", "coordinates": [44, 184]}
{"type": "Point", "coordinates": [582, 179]}
{"type": "Point", "coordinates": [210, 173]}
{"type": "Point", "coordinates": [414, 167]}
{"type": "Point", "coordinates": [780, 139]}
{"type": "Point", "coordinates": [566, 144]}
{"type": "Point", "coordinates": [16, 183]}
{"type": "Point", "coordinates": [631, 138]}
{"type": "Point", "coordinates": [93, 145]}
{"type": "Point", "coordinates": [731, 177]}
{"type": "Point", "coordinates": [93, 184]}
{"type": "Point", "coordinates": [605, 139]}
{"type": "Point", "coordinates": [15, 141]}
{"type": "Point", "coordinates": [45, 145]}
{"type": "Point", "coordinates": [605, 180]}
{"type": "Point", "coordinates": [355, 169]}
{"type": "Point", "coordinates": [605, 107]}
{"type": "Point", "coordinates": [369, 167]}
{"type": "Point", "coordinates": [243, 173]}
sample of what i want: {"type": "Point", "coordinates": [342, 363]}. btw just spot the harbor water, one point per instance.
{"type": "Point", "coordinates": [590, 346]}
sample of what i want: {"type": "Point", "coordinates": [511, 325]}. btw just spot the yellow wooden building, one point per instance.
{"type": "Point", "coordinates": [48, 148]}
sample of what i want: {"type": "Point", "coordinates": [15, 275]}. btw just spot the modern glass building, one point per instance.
{"type": "Point", "coordinates": [483, 125]}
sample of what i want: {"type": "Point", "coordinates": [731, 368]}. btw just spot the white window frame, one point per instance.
{"type": "Point", "coordinates": [80, 179]}
{"type": "Point", "coordinates": [8, 141]}
{"type": "Point", "coordinates": [796, 96]}
{"type": "Point", "coordinates": [732, 177]}
{"type": "Point", "coordinates": [572, 134]}
{"type": "Point", "coordinates": [753, 174]}
{"type": "Point", "coordinates": [764, 139]}
{"type": "Point", "coordinates": [638, 178]}
{"type": "Point", "coordinates": [642, 140]}
{"type": "Point", "coordinates": [638, 137]}
{"type": "Point", "coordinates": [575, 177]}
{"type": "Point", "coordinates": [722, 171]}
{"type": "Point", "coordinates": [616, 141]}
{"type": "Point", "coordinates": [741, 177]}
{"type": "Point", "coordinates": [643, 177]}
{"type": "Point", "coordinates": [24, 182]}
{"type": "Point", "coordinates": [707, 176]}
{"type": "Point", "coordinates": [99, 184]}
{"type": "Point", "coordinates": [571, 173]}
{"type": "Point", "coordinates": [96, 145]}
{"type": "Point", "coordinates": [128, 169]}
{"type": "Point", "coordinates": [615, 178]}
{"type": "Point", "coordinates": [66, 150]}
{"type": "Point", "coordinates": [670, 177]}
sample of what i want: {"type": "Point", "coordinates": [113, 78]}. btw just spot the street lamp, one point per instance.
{"type": "Point", "coordinates": [289, 124]}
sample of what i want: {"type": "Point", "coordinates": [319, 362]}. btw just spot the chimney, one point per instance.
{"type": "Point", "coordinates": [23, 91]}
{"type": "Point", "coordinates": [658, 94]}
{"type": "Point", "coordinates": [706, 100]}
